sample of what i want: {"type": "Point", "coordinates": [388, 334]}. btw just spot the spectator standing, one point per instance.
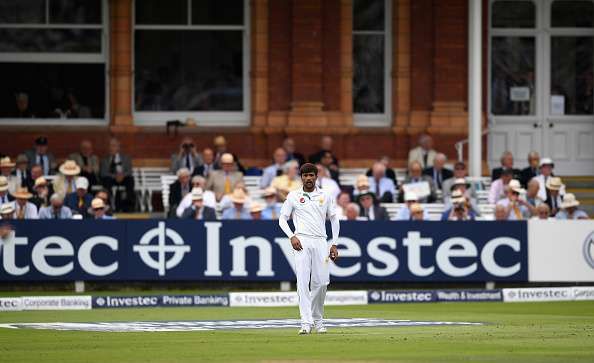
{"type": "Point", "coordinates": [65, 183]}
{"type": "Point", "coordinates": [423, 153]}
{"type": "Point", "coordinates": [23, 209]}
{"type": "Point", "coordinates": [238, 210]}
{"type": "Point", "coordinates": [553, 194]}
{"type": "Point", "coordinates": [569, 209]}
{"type": "Point", "coordinates": [220, 147]}
{"type": "Point", "coordinates": [390, 174]}
{"type": "Point", "coordinates": [116, 177]}
{"type": "Point", "coordinates": [326, 144]}
{"type": "Point", "coordinates": [382, 186]}
{"type": "Point", "coordinates": [438, 172]}
{"type": "Point", "coordinates": [369, 208]}
{"type": "Point", "coordinates": [88, 162]}
{"type": "Point", "coordinates": [272, 209]}
{"type": "Point", "coordinates": [208, 165]}
{"type": "Point", "coordinates": [531, 170]}
{"type": "Point", "coordinates": [41, 155]}
{"type": "Point", "coordinates": [279, 158]}
{"type": "Point", "coordinates": [6, 167]}
{"type": "Point", "coordinates": [223, 182]}
{"type": "Point", "coordinates": [497, 189]}
{"type": "Point", "coordinates": [326, 183]}
{"type": "Point", "coordinates": [179, 189]}
{"type": "Point", "coordinates": [186, 157]}
{"type": "Point", "coordinates": [21, 173]}
{"type": "Point", "coordinates": [507, 162]}
{"type": "Point", "coordinates": [198, 210]}
{"type": "Point", "coordinates": [208, 197]}
{"type": "Point", "coordinates": [5, 196]}
{"type": "Point", "coordinates": [404, 213]}
{"type": "Point", "coordinates": [415, 175]}
{"type": "Point", "coordinates": [99, 208]}
{"type": "Point", "coordinates": [292, 154]}
{"type": "Point", "coordinates": [516, 208]}
{"type": "Point", "coordinates": [546, 172]}
{"type": "Point", "coordinates": [79, 201]}
{"type": "Point", "coordinates": [56, 209]}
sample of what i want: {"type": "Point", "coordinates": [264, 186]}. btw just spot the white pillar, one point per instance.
{"type": "Point", "coordinates": [474, 87]}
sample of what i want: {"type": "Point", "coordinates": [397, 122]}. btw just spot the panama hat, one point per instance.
{"type": "Point", "coordinates": [458, 197]}
{"type": "Point", "coordinates": [554, 183]}
{"type": "Point", "coordinates": [269, 192]}
{"type": "Point", "coordinates": [367, 193]}
{"type": "Point", "coordinates": [569, 201]}
{"type": "Point", "coordinates": [39, 182]}
{"type": "Point", "coordinates": [197, 194]}
{"type": "Point", "coordinates": [362, 181]}
{"type": "Point", "coordinates": [460, 181]}
{"type": "Point", "coordinates": [5, 162]}
{"type": "Point", "coordinates": [70, 168]}
{"type": "Point", "coordinates": [3, 183]}
{"type": "Point", "coordinates": [22, 193]}
{"type": "Point", "coordinates": [238, 196]}
{"type": "Point", "coordinates": [97, 203]}
{"type": "Point", "coordinates": [256, 208]}
{"type": "Point", "coordinates": [82, 183]}
{"type": "Point", "coordinates": [7, 208]}
{"type": "Point", "coordinates": [515, 186]}
{"type": "Point", "coordinates": [547, 161]}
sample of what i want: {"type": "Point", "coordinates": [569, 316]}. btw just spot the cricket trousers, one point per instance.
{"type": "Point", "coordinates": [313, 276]}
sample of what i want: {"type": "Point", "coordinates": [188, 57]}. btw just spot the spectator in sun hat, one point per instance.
{"type": "Point", "coordinates": [256, 211]}
{"type": "Point", "coordinates": [546, 172]}
{"type": "Point", "coordinates": [21, 172]}
{"type": "Point", "coordinates": [460, 209]}
{"type": "Point", "coordinates": [42, 191]}
{"type": "Point", "coordinates": [238, 210]}
{"type": "Point", "coordinates": [23, 209]}
{"type": "Point", "coordinates": [369, 208]}
{"type": "Point", "coordinates": [7, 211]}
{"type": "Point", "coordinates": [40, 155]}
{"type": "Point", "coordinates": [57, 209]}
{"type": "Point", "coordinates": [542, 211]}
{"type": "Point", "coordinates": [80, 200]}
{"type": "Point", "coordinates": [403, 213]}
{"type": "Point", "coordinates": [417, 212]}
{"type": "Point", "coordinates": [497, 190]}
{"type": "Point", "coordinates": [104, 195]}
{"type": "Point", "coordinates": [569, 208]}
{"type": "Point", "coordinates": [5, 195]}
{"type": "Point", "coordinates": [65, 183]}
{"type": "Point", "coordinates": [6, 168]}
{"type": "Point", "coordinates": [208, 197]}
{"type": "Point", "coordinates": [223, 182]}
{"type": "Point", "coordinates": [516, 207]}
{"type": "Point", "coordinates": [554, 199]}
{"type": "Point", "coordinates": [98, 209]}
{"type": "Point", "coordinates": [198, 210]}
{"type": "Point", "coordinates": [463, 186]}
{"type": "Point", "coordinates": [272, 208]}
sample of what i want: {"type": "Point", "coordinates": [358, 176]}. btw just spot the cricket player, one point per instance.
{"type": "Point", "coordinates": [310, 206]}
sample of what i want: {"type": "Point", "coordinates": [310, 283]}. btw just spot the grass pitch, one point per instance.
{"type": "Point", "coordinates": [521, 332]}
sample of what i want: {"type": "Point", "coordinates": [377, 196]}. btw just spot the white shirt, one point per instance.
{"type": "Point", "coordinates": [542, 190]}
{"type": "Point", "coordinates": [309, 211]}
{"type": "Point", "coordinates": [208, 198]}
{"type": "Point", "coordinates": [329, 186]}
{"type": "Point", "coordinates": [30, 210]}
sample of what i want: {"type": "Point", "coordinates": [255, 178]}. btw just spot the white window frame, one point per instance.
{"type": "Point", "coordinates": [380, 119]}
{"type": "Point", "coordinates": [30, 57]}
{"type": "Point", "coordinates": [203, 118]}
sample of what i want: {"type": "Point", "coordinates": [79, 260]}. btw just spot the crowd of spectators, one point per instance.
{"type": "Point", "coordinates": [210, 185]}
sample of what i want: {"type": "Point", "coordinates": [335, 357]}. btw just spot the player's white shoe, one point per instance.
{"type": "Point", "coordinates": [320, 328]}
{"type": "Point", "coordinates": [305, 329]}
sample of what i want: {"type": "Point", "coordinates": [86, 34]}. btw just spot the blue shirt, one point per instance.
{"type": "Point", "coordinates": [385, 185]}
{"type": "Point", "coordinates": [49, 213]}
{"type": "Point", "coordinates": [231, 213]}
{"type": "Point", "coordinates": [577, 214]}
{"type": "Point", "coordinates": [267, 212]}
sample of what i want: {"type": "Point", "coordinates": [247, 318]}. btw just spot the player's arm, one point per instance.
{"type": "Point", "coordinates": [285, 214]}
{"type": "Point", "coordinates": [335, 226]}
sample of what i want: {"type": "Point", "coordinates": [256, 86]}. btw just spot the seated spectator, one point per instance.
{"type": "Point", "coordinates": [104, 195]}
{"type": "Point", "coordinates": [438, 172]}
{"type": "Point", "coordinates": [5, 196]}
{"type": "Point", "coordinates": [208, 197]}
{"type": "Point", "coordinates": [223, 182]}
{"type": "Point", "coordinates": [289, 181]}
{"type": "Point", "coordinates": [326, 183]}
{"type": "Point", "coordinates": [179, 189]}
{"type": "Point", "coordinates": [370, 210]}
{"type": "Point", "coordinates": [327, 161]}
{"type": "Point", "coordinates": [554, 199]}
{"type": "Point", "coordinates": [342, 201]}
{"type": "Point", "coordinates": [270, 172]}
{"type": "Point", "coordinates": [460, 209]}
{"type": "Point", "coordinates": [500, 213]}
{"type": "Point", "coordinates": [531, 170]}
{"type": "Point", "coordinates": [460, 172]}
{"type": "Point", "coordinates": [569, 209]}
{"type": "Point", "coordinates": [292, 154]}
{"type": "Point", "coordinates": [88, 162]}
{"type": "Point", "coordinates": [22, 108]}
{"type": "Point", "coordinates": [7, 211]}
{"type": "Point", "coordinates": [36, 172]}
{"type": "Point", "coordinates": [42, 191]}
{"type": "Point", "coordinates": [462, 186]}
{"type": "Point", "coordinates": [21, 173]}
{"type": "Point", "coordinates": [186, 157]}
{"type": "Point", "coordinates": [361, 185]}
{"type": "Point", "coordinates": [423, 153]}
{"type": "Point", "coordinates": [497, 190]}
{"type": "Point", "coordinates": [226, 201]}
{"type": "Point", "coordinates": [353, 213]}
{"type": "Point", "coordinates": [381, 185]}
{"type": "Point", "coordinates": [417, 213]}
{"type": "Point", "coordinates": [207, 166]}
{"type": "Point", "coordinates": [65, 183]}
{"type": "Point", "coordinates": [272, 209]}
{"type": "Point", "coordinates": [23, 209]}
{"type": "Point", "coordinates": [532, 193]}
{"type": "Point", "coordinates": [516, 208]}
{"type": "Point", "coordinates": [116, 177]}
{"type": "Point", "coordinates": [390, 174]}
{"type": "Point", "coordinates": [56, 209]}
{"type": "Point", "coordinates": [403, 213]}
{"type": "Point", "coordinates": [546, 172]}
{"type": "Point", "coordinates": [198, 210]}
{"type": "Point", "coordinates": [326, 144]}
{"type": "Point", "coordinates": [256, 211]}
{"type": "Point", "coordinates": [507, 162]}
{"type": "Point", "coordinates": [6, 167]}
{"type": "Point", "coordinates": [79, 201]}
{"type": "Point", "coordinates": [98, 209]}
{"type": "Point", "coordinates": [238, 210]}
{"type": "Point", "coordinates": [415, 176]}
{"type": "Point", "coordinates": [220, 147]}
{"type": "Point", "coordinates": [542, 212]}
{"type": "Point", "coordinates": [40, 155]}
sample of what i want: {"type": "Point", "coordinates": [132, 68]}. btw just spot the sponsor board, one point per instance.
{"type": "Point", "coordinates": [100, 302]}
{"type": "Point", "coordinates": [167, 326]}
{"type": "Point", "coordinates": [262, 299]}
{"type": "Point", "coordinates": [11, 304]}
{"type": "Point", "coordinates": [538, 294]}
{"type": "Point", "coordinates": [401, 296]}
{"type": "Point", "coordinates": [583, 293]}
{"type": "Point", "coordinates": [56, 302]}
{"type": "Point", "coordinates": [468, 295]}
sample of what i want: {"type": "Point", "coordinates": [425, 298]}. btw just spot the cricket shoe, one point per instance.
{"type": "Point", "coordinates": [320, 328]}
{"type": "Point", "coordinates": [305, 329]}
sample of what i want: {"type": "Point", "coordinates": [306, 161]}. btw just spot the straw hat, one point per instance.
{"type": "Point", "coordinates": [569, 201]}
{"type": "Point", "coordinates": [197, 194]}
{"type": "Point", "coordinates": [458, 197]}
{"type": "Point", "coordinates": [39, 182]}
{"type": "Point", "coordinates": [547, 161]}
{"type": "Point", "coordinates": [7, 208]}
{"type": "Point", "coordinates": [226, 158]}
{"type": "Point", "coordinates": [269, 192]}
{"type": "Point", "coordinates": [554, 183]}
{"type": "Point", "coordinates": [97, 203]}
{"type": "Point", "coordinates": [362, 182]}
{"type": "Point", "coordinates": [515, 186]}
{"type": "Point", "coordinates": [460, 181]}
{"type": "Point", "coordinates": [70, 168]}
{"type": "Point", "coordinates": [3, 183]}
{"type": "Point", "coordinates": [256, 208]}
{"type": "Point", "coordinates": [238, 196]}
{"type": "Point", "coordinates": [416, 208]}
{"type": "Point", "coordinates": [410, 197]}
{"type": "Point", "coordinates": [82, 183]}
{"type": "Point", "coordinates": [22, 193]}
{"type": "Point", "coordinates": [5, 162]}
{"type": "Point", "coordinates": [220, 141]}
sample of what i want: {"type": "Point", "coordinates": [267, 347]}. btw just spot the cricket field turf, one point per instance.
{"type": "Point", "coordinates": [517, 332]}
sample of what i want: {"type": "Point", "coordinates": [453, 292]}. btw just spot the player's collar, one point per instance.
{"type": "Point", "coordinates": [313, 192]}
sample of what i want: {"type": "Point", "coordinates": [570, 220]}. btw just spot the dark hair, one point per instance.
{"type": "Point", "coordinates": [308, 168]}
{"type": "Point", "coordinates": [460, 164]}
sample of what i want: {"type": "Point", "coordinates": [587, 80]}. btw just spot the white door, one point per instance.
{"type": "Point", "coordinates": [541, 76]}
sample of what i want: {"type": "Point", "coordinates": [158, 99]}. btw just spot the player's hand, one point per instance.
{"type": "Point", "coordinates": [296, 243]}
{"type": "Point", "coordinates": [333, 253]}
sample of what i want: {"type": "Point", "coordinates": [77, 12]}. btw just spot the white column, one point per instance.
{"type": "Point", "coordinates": [474, 87]}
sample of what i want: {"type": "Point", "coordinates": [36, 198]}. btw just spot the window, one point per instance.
{"type": "Point", "coordinates": [572, 14]}
{"type": "Point", "coordinates": [371, 62]}
{"type": "Point", "coordinates": [191, 60]}
{"type": "Point", "coordinates": [513, 14]}
{"type": "Point", "coordinates": [53, 57]}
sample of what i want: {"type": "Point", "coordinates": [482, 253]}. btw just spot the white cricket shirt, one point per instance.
{"type": "Point", "coordinates": [309, 211]}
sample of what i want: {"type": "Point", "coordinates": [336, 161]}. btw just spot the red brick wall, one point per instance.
{"type": "Point", "coordinates": [279, 62]}
{"type": "Point", "coordinates": [331, 55]}
{"type": "Point", "coordinates": [422, 54]}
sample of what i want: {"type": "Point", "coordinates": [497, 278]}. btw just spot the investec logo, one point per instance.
{"type": "Point", "coordinates": [161, 249]}
{"type": "Point", "coordinates": [589, 249]}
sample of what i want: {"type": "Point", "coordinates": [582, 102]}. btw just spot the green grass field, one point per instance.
{"type": "Point", "coordinates": [521, 332]}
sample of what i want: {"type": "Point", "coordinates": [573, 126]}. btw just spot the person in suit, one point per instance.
{"type": "Point", "coordinates": [207, 165]}
{"type": "Point", "coordinates": [186, 157]}
{"type": "Point", "coordinates": [220, 147]}
{"type": "Point", "coordinates": [208, 197]}
{"type": "Point", "coordinates": [290, 149]}
{"type": "Point", "coordinates": [415, 175]}
{"type": "Point", "coordinates": [381, 185]}
{"type": "Point", "coordinates": [370, 209]}
{"type": "Point", "coordinates": [5, 196]}
{"type": "Point", "coordinates": [531, 170]}
{"type": "Point", "coordinates": [179, 189]}
{"type": "Point", "coordinates": [279, 157]}
{"type": "Point", "coordinates": [325, 146]}
{"type": "Point", "coordinates": [21, 172]}
{"type": "Point", "coordinates": [115, 172]}
{"type": "Point", "coordinates": [197, 210]}
{"type": "Point", "coordinates": [507, 162]}
{"type": "Point", "coordinates": [56, 209]}
{"type": "Point", "coordinates": [65, 183]}
{"type": "Point", "coordinates": [545, 173]}
{"type": "Point", "coordinates": [35, 173]}
{"type": "Point", "coordinates": [88, 162]}
{"type": "Point", "coordinates": [79, 201]}
{"type": "Point", "coordinates": [554, 198]}
{"type": "Point", "coordinates": [390, 174]}
{"type": "Point", "coordinates": [438, 172]}
{"type": "Point", "coordinates": [327, 161]}
{"type": "Point", "coordinates": [42, 190]}
{"type": "Point", "coordinates": [423, 153]}
{"type": "Point", "coordinates": [223, 182]}
{"type": "Point", "coordinates": [40, 155]}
